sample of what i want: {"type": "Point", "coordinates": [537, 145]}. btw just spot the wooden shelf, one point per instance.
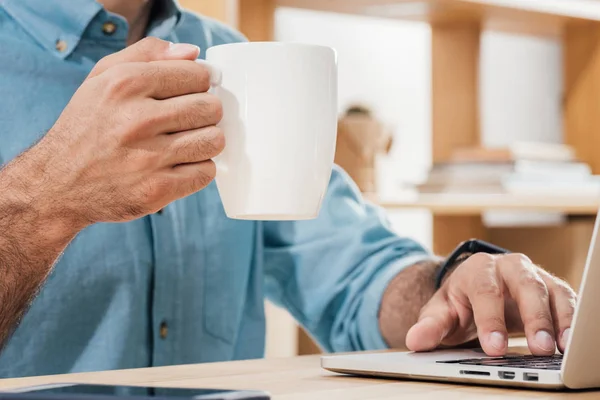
{"type": "Point", "coordinates": [538, 17]}
{"type": "Point", "coordinates": [461, 204]}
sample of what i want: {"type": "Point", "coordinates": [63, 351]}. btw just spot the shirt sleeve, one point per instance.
{"type": "Point", "coordinates": [330, 273]}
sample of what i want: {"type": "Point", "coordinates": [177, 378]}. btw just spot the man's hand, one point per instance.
{"type": "Point", "coordinates": [138, 134]}
{"type": "Point", "coordinates": [487, 297]}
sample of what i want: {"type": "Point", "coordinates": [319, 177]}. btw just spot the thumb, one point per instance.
{"type": "Point", "coordinates": [147, 50]}
{"type": "Point", "coordinates": [435, 323]}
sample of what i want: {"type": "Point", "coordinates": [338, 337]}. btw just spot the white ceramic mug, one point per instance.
{"type": "Point", "coordinates": [280, 125]}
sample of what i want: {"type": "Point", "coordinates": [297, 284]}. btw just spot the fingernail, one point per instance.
{"type": "Point", "coordinates": [544, 341]}
{"type": "Point", "coordinates": [215, 73]}
{"type": "Point", "coordinates": [182, 50]}
{"type": "Point", "coordinates": [565, 337]}
{"type": "Point", "coordinates": [497, 340]}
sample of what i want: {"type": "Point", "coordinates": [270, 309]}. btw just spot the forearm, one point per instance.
{"type": "Point", "coordinates": [32, 236]}
{"type": "Point", "coordinates": [403, 299]}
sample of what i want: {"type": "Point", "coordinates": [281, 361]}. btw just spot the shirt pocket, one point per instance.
{"type": "Point", "coordinates": [228, 249]}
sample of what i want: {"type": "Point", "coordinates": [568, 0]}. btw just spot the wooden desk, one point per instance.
{"type": "Point", "coordinates": [291, 379]}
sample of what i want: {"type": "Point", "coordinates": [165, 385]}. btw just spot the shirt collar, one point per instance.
{"type": "Point", "coordinates": [165, 17]}
{"type": "Point", "coordinates": [59, 25]}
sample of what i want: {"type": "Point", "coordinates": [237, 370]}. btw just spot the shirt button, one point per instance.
{"type": "Point", "coordinates": [109, 28]}
{"type": "Point", "coordinates": [164, 330]}
{"type": "Point", "coordinates": [61, 45]}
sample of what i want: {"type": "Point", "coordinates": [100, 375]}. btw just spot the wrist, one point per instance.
{"type": "Point", "coordinates": [403, 299]}
{"type": "Point", "coordinates": [30, 199]}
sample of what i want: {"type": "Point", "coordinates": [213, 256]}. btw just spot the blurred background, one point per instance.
{"type": "Point", "coordinates": [463, 118]}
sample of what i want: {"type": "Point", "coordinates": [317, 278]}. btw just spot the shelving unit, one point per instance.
{"type": "Point", "coordinates": [545, 17]}
{"type": "Point", "coordinates": [466, 204]}
{"type": "Point", "coordinates": [456, 29]}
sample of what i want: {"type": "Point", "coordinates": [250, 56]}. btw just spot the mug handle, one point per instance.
{"type": "Point", "coordinates": [216, 77]}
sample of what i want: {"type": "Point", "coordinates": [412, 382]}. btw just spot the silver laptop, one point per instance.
{"type": "Point", "coordinates": [579, 368]}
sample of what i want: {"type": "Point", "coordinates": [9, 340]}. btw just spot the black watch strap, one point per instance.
{"type": "Point", "coordinates": [462, 252]}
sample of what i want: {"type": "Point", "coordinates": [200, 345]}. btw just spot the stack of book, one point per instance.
{"type": "Point", "coordinates": [522, 168]}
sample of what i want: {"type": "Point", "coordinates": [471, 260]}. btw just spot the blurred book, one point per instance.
{"type": "Point", "coordinates": [498, 218]}
{"type": "Point", "coordinates": [534, 151]}
{"type": "Point", "coordinates": [524, 168]}
{"type": "Point", "coordinates": [521, 185]}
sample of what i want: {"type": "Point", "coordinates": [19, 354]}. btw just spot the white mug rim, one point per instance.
{"type": "Point", "coordinates": [267, 44]}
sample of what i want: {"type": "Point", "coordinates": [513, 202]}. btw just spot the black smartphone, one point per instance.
{"type": "Point", "coordinates": [70, 391]}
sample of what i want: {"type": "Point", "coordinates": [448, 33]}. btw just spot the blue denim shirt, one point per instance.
{"type": "Point", "coordinates": [190, 269]}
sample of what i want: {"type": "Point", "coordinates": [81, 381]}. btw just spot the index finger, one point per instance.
{"type": "Point", "coordinates": [166, 79]}
{"type": "Point", "coordinates": [147, 50]}
{"type": "Point", "coordinates": [485, 293]}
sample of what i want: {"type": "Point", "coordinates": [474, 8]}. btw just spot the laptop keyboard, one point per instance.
{"type": "Point", "coordinates": [525, 361]}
